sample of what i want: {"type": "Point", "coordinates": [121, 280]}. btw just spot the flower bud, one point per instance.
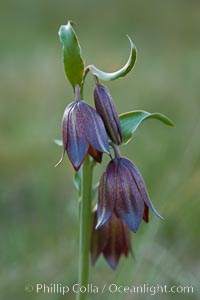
{"type": "Point", "coordinates": [106, 109]}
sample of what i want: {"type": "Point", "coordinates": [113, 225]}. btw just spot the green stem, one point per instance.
{"type": "Point", "coordinates": [85, 225]}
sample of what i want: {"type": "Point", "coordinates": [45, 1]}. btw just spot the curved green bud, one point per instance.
{"type": "Point", "coordinates": [73, 62]}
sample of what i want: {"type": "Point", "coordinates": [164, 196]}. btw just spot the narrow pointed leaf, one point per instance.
{"type": "Point", "coordinates": [120, 73]}
{"type": "Point", "coordinates": [73, 62]}
{"type": "Point", "coordinates": [131, 120]}
{"type": "Point", "coordinates": [58, 142]}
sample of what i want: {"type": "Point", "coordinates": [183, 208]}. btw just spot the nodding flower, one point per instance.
{"type": "Point", "coordinates": [112, 240]}
{"type": "Point", "coordinates": [107, 110]}
{"type": "Point", "coordinates": [122, 191]}
{"type": "Point", "coordinates": [83, 132]}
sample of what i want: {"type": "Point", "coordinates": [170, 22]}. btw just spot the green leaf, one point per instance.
{"type": "Point", "coordinates": [131, 120]}
{"type": "Point", "coordinates": [120, 73]}
{"type": "Point", "coordinates": [73, 62]}
{"type": "Point", "coordinates": [58, 142]}
{"type": "Point", "coordinates": [78, 180]}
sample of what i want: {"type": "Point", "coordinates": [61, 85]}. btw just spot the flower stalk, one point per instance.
{"type": "Point", "coordinates": [85, 225]}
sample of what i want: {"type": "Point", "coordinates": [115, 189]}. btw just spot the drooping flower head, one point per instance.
{"type": "Point", "coordinates": [107, 110]}
{"type": "Point", "coordinates": [112, 240]}
{"type": "Point", "coordinates": [83, 132]}
{"type": "Point", "coordinates": [122, 191]}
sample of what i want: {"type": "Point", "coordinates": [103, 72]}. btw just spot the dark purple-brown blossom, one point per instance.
{"type": "Point", "coordinates": [122, 191]}
{"type": "Point", "coordinates": [83, 132]}
{"type": "Point", "coordinates": [112, 240]}
{"type": "Point", "coordinates": [106, 109]}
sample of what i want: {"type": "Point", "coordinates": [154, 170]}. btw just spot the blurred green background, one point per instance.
{"type": "Point", "coordinates": [38, 203]}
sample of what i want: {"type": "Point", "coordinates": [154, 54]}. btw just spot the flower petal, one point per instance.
{"type": "Point", "coordinates": [127, 239]}
{"type": "Point", "coordinates": [77, 145]}
{"type": "Point", "coordinates": [107, 194]}
{"type": "Point", "coordinates": [115, 246]}
{"type": "Point", "coordinates": [94, 127]}
{"type": "Point", "coordinates": [97, 155]}
{"type": "Point", "coordinates": [65, 123]}
{"type": "Point", "coordinates": [129, 204]}
{"type": "Point", "coordinates": [139, 181]}
{"type": "Point", "coordinates": [99, 239]}
{"type": "Point", "coordinates": [146, 213]}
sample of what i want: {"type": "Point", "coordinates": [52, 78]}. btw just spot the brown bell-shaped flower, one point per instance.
{"type": "Point", "coordinates": [83, 132]}
{"type": "Point", "coordinates": [112, 240]}
{"type": "Point", "coordinates": [122, 191]}
{"type": "Point", "coordinates": [107, 110]}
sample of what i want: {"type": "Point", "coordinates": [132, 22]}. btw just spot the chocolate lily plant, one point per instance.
{"type": "Point", "coordinates": [88, 134]}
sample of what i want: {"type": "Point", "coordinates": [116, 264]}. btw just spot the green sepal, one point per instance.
{"type": "Point", "coordinates": [73, 62]}
{"type": "Point", "coordinates": [120, 73]}
{"type": "Point", "coordinates": [131, 120]}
